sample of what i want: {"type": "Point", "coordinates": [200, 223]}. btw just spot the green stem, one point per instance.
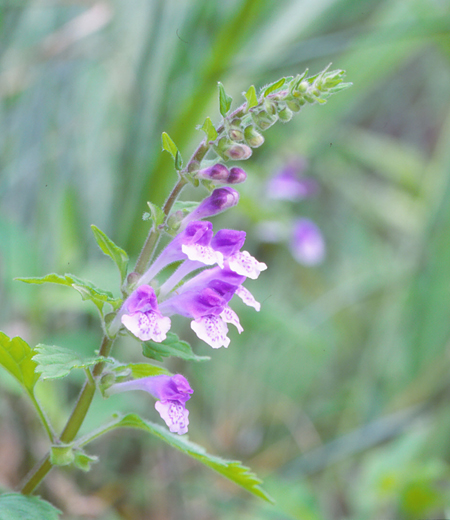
{"type": "Point", "coordinates": [155, 233]}
{"type": "Point", "coordinates": [44, 419]}
{"type": "Point", "coordinates": [73, 424]}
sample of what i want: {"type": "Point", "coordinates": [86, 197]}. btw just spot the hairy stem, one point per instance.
{"type": "Point", "coordinates": [73, 424]}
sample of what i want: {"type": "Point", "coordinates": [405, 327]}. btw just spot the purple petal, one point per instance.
{"type": "Point", "coordinates": [229, 316]}
{"type": "Point", "coordinates": [307, 244]}
{"type": "Point", "coordinates": [246, 265]}
{"type": "Point", "coordinates": [247, 297]}
{"type": "Point", "coordinates": [219, 200]}
{"type": "Point", "coordinates": [228, 241]}
{"type": "Point", "coordinates": [147, 326]}
{"type": "Point", "coordinates": [212, 330]}
{"type": "Point", "coordinates": [174, 414]}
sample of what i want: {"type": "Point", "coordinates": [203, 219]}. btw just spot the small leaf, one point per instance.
{"type": "Point", "coordinates": [87, 289]}
{"type": "Point", "coordinates": [118, 255]}
{"type": "Point", "coordinates": [185, 205]}
{"type": "Point", "coordinates": [157, 215]}
{"type": "Point", "coordinates": [171, 147]}
{"type": "Point", "coordinates": [171, 346]}
{"type": "Point", "coordinates": [231, 469]}
{"type": "Point", "coordinates": [252, 100]}
{"type": "Point", "coordinates": [224, 100]}
{"type": "Point", "coordinates": [273, 86]}
{"type": "Point", "coordinates": [209, 129]}
{"type": "Point", "coordinates": [62, 454]}
{"type": "Point", "coordinates": [56, 362]}
{"type": "Point", "coordinates": [15, 506]}
{"type": "Point", "coordinates": [83, 461]}
{"type": "Point", "coordinates": [16, 357]}
{"type": "Point", "coordinates": [139, 370]}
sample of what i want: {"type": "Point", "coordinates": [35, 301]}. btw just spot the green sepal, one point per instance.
{"type": "Point", "coordinates": [139, 370]}
{"type": "Point", "coordinates": [231, 469]}
{"type": "Point", "coordinates": [171, 346]}
{"type": "Point", "coordinates": [252, 100]}
{"type": "Point", "coordinates": [62, 454]}
{"type": "Point", "coordinates": [56, 362]}
{"type": "Point", "coordinates": [83, 461]}
{"type": "Point", "coordinates": [16, 357]}
{"type": "Point", "coordinates": [268, 89]}
{"type": "Point", "coordinates": [14, 506]}
{"type": "Point", "coordinates": [209, 129]}
{"type": "Point", "coordinates": [156, 215]}
{"type": "Point", "coordinates": [224, 100]}
{"type": "Point", "coordinates": [87, 289]}
{"type": "Point", "coordinates": [185, 205]}
{"type": "Point", "coordinates": [171, 147]}
{"type": "Point", "coordinates": [117, 254]}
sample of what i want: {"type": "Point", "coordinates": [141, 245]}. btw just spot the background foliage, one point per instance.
{"type": "Point", "coordinates": [337, 392]}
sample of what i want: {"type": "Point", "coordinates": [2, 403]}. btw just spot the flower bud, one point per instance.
{"type": "Point", "coordinates": [285, 115]}
{"type": "Point", "coordinates": [269, 107]}
{"type": "Point", "coordinates": [263, 120]}
{"type": "Point", "coordinates": [252, 137]}
{"type": "Point", "coordinates": [238, 152]}
{"type": "Point", "coordinates": [219, 200]}
{"type": "Point", "coordinates": [236, 176]}
{"type": "Point", "coordinates": [235, 133]}
{"type": "Point", "coordinates": [218, 172]}
{"type": "Point", "coordinates": [294, 105]}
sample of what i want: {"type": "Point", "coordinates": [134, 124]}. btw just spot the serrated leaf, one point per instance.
{"type": "Point", "coordinates": [209, 129]}
{"type": "Point", "coordinates": [16, 357]}
{"type": "Point", "coordinates": [171, 346]}
{"type": "Point", "coordinates": [171, 147]}
{"type": "Point", "coordinates": [252, 100]}
{"type": "Point", "coordinates": [139, 370]}
{"type": "Point", "coordinates": [15, 506]}
{"type": "Point", "coordinates": [117, 254]}
{"type": "Point", "coordinates": [224, 100]}
{"type": "Point", "coordinates": [231, 469]}
{"type": "Point", "coordinates": [55, 362]}
{"type": "Point", "coordinates": [87, 289]}
{"type": "Point", "coordinates": [273, 86]}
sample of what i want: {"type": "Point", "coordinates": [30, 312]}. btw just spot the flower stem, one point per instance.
{"type": "Point", "coordinates": [155, 233]}
{"type": "Point", "coordinates": [74, 422]}
{"type": "Point", "coordinates": [44, 419]}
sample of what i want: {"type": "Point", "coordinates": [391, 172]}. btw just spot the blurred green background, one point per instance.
{"type": "Point", "coordinates": [337, 393]}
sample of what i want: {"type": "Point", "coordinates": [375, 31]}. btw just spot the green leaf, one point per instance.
{"type": "Point", "coordinates": [185, 205]}
{"type": "Point", "coordinates": [118, 255]}
{"type": "Point", "coordinates": [83, 461]}
{"type": "Point", "coordinates": [171, 147]}
{"type": "Point", "coordinates": [209, 129]}
{"type": "Point", "coordinates": [16, 358]}
{"type": "Point", "coordinates": [139, 370]}
{"type": "Point", "coordinates": [157, 215]}
{"type": "Point", "coordinates": [171, 346]}
{"type": "Point", "coordinates": [231, 469]}
{"type": "Point", "coordinates": [56, 362]}
{"type": "Point", "coordinates": [252, 100]}
{"type": "Point", "coordinates": [87, 289]}
{"type": "Point", "coordinates": [15, 506]}
{"type": "Point", "coordinates": [224, 100]}
{"type": "Point", "coordinates": [273, 86]}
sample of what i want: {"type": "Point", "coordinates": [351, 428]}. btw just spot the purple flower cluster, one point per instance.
{"type": "Point", "coordinates": [202, 296]}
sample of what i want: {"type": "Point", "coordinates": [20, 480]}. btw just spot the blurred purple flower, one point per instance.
{"type": "Point", "coordinates": [288, 184]}
{"type": "Point", "coordinates": [172, 393]}
{"type": "Point", "coordinates": [307, 243]}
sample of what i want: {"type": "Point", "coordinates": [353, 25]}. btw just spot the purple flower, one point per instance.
{"type": "Point", "coordinates": [289, 185]}
{"type": "Point", "coordinates": [307, 243]}
{"type": "Point", "coordinates": [237, 175]}
{"type": "Point", "coordinates": [191, 243]}
{"type": "Point", "coordinates": [219, 200]}
{"type": "Point", "coordinates": [141, 316]}
{"type": "Point", "coordinates": [172, 393]}
{"type": "Point", "coordinates": [217, 172]}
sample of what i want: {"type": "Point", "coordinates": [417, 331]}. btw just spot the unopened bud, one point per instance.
{"type": "Point", "coordinates": [235, 133]}
{"type": "Point", "coordinates": [270, 108]}
{"type": "Point", "coordinates": [219, 200]}
{"type": "Point", "coordinates": [238, 152]}
{"type": "Point", "coordinates": [217, 172]}
{"type": "Point", "coordinates": [252, 137]}
{"type": "Point", "coordinates": [236, 176]}
{"type": "Point", "coordinates": [294, 105]}
{"type": "Point", "coordinates": [264, 120]}
{"type": "Point", "coordinates": [285, 115]}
